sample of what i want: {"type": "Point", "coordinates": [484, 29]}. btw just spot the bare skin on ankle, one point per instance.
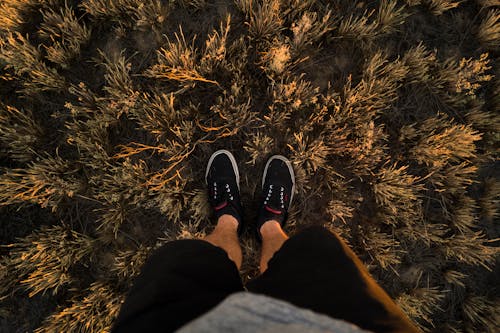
{"type": "Point", "coordinates": [273, 238]}
{"type": "Point", "coordinates": [225, 236]}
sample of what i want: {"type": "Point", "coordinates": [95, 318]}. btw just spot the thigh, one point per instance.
{"type": "Point", "coordinates": [179, 282]}
{"type": "Point", "coordinates": [315, 269]}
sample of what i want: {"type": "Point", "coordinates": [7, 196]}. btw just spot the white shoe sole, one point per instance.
{"type": "Point", "coordinates": [290, 168]}
{"type": "Point", "coordinates": [233, 162]}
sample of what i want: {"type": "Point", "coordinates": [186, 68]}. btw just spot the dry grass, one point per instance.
{"type": "Point", "coordinates": [111, 108]}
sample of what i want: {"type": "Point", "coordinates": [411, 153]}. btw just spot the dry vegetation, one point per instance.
{"type": "Point", "coordinates": [110, 109]}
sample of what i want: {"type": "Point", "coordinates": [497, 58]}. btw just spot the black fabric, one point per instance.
{"type": "Point", "coordinates": [179, 282]}
{"type": "Point", "coordinates": [314, 269]}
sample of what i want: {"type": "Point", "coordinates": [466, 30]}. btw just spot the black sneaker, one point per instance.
{"type": "Point", "coordinates": [223, 181]}
{"type": "Point", "coordinates": [278, 186]}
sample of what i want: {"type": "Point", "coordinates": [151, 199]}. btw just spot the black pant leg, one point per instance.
{"type": "Point", "coordinates": [315, 269]}
{"type": "Point", "coordinates": [179, 282]}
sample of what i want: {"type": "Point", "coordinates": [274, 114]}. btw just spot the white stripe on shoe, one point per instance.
{"type": "Point", "coordinates": [233, 163]}
{"type": "Point", "coordinates": [290, 169]}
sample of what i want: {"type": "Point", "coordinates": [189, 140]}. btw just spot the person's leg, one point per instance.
{"type": "Point", "coordinates": [315, 269]}
{"type": "Point", "coordinates": [225, 236]}
{"type": "Point", "coordinates": [223, 182]}
{"type": "Point", "coordinates": [273, 237]}
{"type": "Point", "coordinates": [186, 278]}
{"type": "Point", "coordinates": [181, 281]}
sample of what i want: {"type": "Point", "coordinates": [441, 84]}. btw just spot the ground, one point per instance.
{"type": "Point", "coordinates": [110, 109]}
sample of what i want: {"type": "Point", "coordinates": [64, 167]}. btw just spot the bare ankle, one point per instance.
{"type": "Point", "coordinates": [227, 221]}
{"type": "Point", "coordinates": [225, 236]}
{"type": "Point", "coordinates": [271, 229]}
{"type": "Point", "coordinates": [273, 238]}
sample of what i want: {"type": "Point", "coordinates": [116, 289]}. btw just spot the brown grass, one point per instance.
{"type": "Point", "coordinates": [111, 108]}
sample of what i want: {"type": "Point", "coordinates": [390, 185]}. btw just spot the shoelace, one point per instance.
{"type": "Point", "coordinates": [270, 191]}
{"type": "Point", "coordinates": [227, 192]}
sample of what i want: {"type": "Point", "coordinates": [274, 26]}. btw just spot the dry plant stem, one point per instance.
{"type": "Point", "coordinates": [273, 238]}
{"type": "Point", "coordinates": [225, 236]}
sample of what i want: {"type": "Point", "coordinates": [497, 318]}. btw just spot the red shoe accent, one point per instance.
{"type": "Point", "coordinates": [222, 205]}
{"type": "Point", "coordinates": [274, 211]}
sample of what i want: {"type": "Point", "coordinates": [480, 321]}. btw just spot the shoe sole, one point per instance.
{"type": "Point", "coordinates": [233, 163]}
{"type": "Point", "coordinates": [290, 169]}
